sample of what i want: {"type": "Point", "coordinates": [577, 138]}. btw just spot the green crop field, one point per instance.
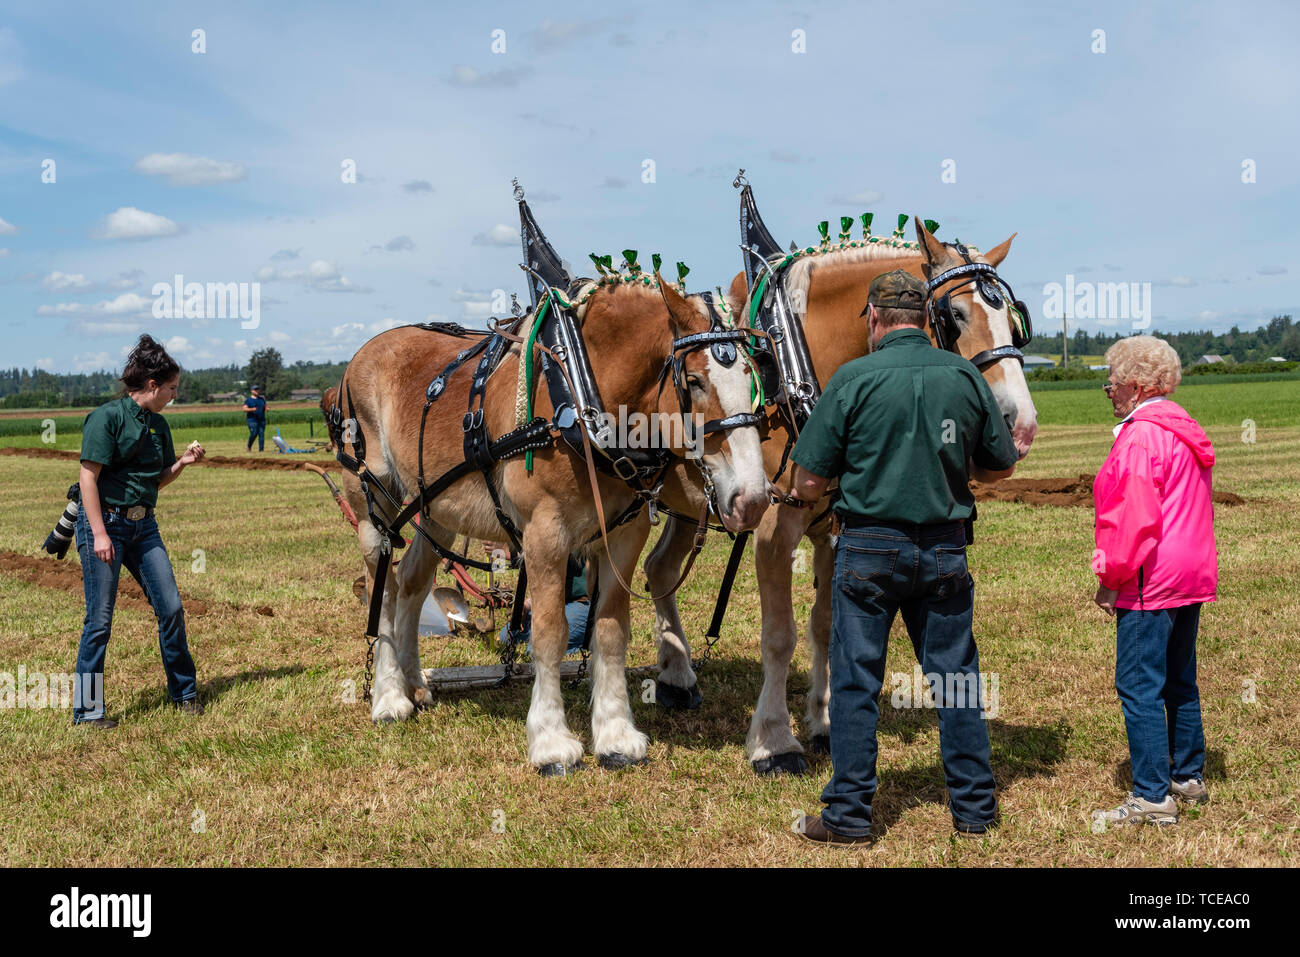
{"type": "Point", "coordinates": [281, 770]}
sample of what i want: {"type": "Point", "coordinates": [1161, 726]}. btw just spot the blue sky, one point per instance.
{"type": "Point", "coordinates": [226, 166]}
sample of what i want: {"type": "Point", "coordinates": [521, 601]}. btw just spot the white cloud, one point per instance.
{"type": "Point", "coordinates": [177, 345]}
{"type": "Point", "coordinates": [7, 229]}
{"type": "Point", "coordinates": [92, 361]}
{"type": "Point", "coordinates": [181, 169]}
{"type": "Point", "coordinates": [468, 76]}
{"type": "Point", "coordinates": [46, 363]}
{"type": "Point", "coordinates": [131, 223]}
{"type": "Point", "coordinates": [77, 283]}
{"type": "Point", "coordinates": [3, 253]}
{"type": "Point", "coordinates": [127, 304]}
{"type": "Point", "coordinates": [498, 235]}
{"type": "Point", "coordinates": [1271, 270]}
{"type": "Point", "coordinates": [867, 197]}
{"type": "Point", "coordinates": [321, 275]}
{"type": "Point", "coordinates": [60, 281]}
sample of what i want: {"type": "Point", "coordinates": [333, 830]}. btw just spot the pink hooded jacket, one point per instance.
{"type": "Point", "coordinates": [1155, 512]}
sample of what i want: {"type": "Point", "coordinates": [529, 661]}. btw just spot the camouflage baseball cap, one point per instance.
{"type": "Point", "coordinates": [896, 290]}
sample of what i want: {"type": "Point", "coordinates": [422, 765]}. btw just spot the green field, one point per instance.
{"type": "Point", "coordinates": [282, 771]}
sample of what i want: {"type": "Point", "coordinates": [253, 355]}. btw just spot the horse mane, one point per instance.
{"type": "Point", "coordinates": [844, 253]}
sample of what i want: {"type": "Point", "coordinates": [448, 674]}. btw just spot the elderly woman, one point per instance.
{"type": "Point", "coordinates": [1158, 564]}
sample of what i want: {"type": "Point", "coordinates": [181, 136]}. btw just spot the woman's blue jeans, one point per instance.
{"type": "Point", "coordinates": [1155, 675]}
{"type": "Point", "coordinates": [139, 547]}
{"type": "Point", "coordinates": [922, 572]}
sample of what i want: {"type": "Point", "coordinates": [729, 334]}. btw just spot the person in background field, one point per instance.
{"type": "Point", "coordinates": [1157, 563]}
{"type": "Point", "coordinates": [901, 428]}
{"type": "Point", "coordinates": [576, 603]}
{"type": "Point", "coordinates": [255, 409]}
{"type": "Point", "coordinates": [126, 457]}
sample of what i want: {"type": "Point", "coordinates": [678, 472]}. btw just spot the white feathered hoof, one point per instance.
{"type": "Point", "coordinates": [672, 698]}
{"type": "Point", "coordinates": [621, 742]}
{"type": "Point", "coordinates": [555, 748]}
{"type": "Point", "coordinates": [792, 763]}
{"type": "Point", "coordinates": [391, 707]}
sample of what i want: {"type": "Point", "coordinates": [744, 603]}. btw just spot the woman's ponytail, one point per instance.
{"type": "Point", "coordinates": [148, 360]}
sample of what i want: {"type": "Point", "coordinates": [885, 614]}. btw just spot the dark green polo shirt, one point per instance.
{"type": "Point", "coordinates": [110, 436]}
{"type": "Point", "coordinates": [897, 427]}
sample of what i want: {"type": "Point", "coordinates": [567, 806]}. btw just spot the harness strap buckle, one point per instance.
{"type": "Point", "coordinates": [472, 420]}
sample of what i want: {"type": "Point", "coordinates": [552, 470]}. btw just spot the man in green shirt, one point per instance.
{"type": "Point", "coordinates": [901, 428]}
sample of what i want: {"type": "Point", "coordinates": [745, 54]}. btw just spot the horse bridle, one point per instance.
{"type": "Point", "coordinates": [943, 320]}
{"type": "Point", "coordinates": [725, 343]}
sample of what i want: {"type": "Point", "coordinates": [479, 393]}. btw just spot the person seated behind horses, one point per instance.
{"type": "Point", "coordinates": [900, 428]}
{"type": "Point", "coordinates": [576, 604]}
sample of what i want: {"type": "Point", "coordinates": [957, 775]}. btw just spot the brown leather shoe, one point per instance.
{"type": "Point", "coordinates": [814, 830]}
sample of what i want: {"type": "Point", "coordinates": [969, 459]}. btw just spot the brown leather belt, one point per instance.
{"type": "Point", "coordinates": [133, 513]}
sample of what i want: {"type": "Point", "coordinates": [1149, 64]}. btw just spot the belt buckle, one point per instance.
{"type": "Point", "coordinates": [136, 512]}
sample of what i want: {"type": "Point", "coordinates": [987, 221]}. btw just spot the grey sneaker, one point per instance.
{"type": "Point", "coordinates": [1191, 791]}
{"type": "Point", "coordinates": [1136, 810]}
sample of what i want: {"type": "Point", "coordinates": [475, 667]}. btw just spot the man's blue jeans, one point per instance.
{"type": "Point", "coordinates": [575, 611]}
{"type": "Point", "coordinates": [1155, 675]}
{"type": "Point", "coordinates": [257, 430]}
{"type": "Point", "coordinates": [139, 547]}
{"type": "Point", "coordinates": [920, 571]}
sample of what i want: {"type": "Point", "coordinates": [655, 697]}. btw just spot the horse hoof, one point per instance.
{"type": "Point", "coordinates": [820, 744]}
{"type": "Point", "coordinates": [616, 761]}
{"type": "Point", "coordinates": [672, 698]}
{"type": "Point", "coordinates": [557, 770]}
{"type": "Point", "coordinates": [792, 762]}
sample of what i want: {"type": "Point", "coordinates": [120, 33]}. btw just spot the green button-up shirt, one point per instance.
{"type": "Point", "coordinates": [897, 428]}
{"type": "Point", "coordinates": [110, 436]}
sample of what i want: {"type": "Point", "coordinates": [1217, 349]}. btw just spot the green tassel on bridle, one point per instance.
{"type": "Point", "coordinates": [630, 256]}
{"type": "Point", "coordinates": [824, 227]}
{"type": "Point", "coordinates": [866, 224]}
{"type": "Point", "coordinates": [656, 260]}
{"type": "Point", "coordinates": [604, 264]}
{"type": "Point", "coordinates": [902, 222]}
{"type": "Point", "coordinates": [846, 224]}
{"type": "Point", "coordinates": [932, 226]}
{"type": "Point", "coordinates": [682, 270]}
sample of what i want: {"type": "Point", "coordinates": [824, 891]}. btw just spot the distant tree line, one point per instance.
{"type": "Point", "coordinates": [1280, 337]}
{"type": "Point", "coordinates": [38, 389]}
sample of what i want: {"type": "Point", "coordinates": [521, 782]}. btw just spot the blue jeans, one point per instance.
{"type": "Point", "coordinates": [257, 430]}
{"type": "Point", "coordinates": [139, 547]}
{"type": "Point", "coordinates": [879, 571]}
{"type": "Point", "coordinates": [1155, 675]}
{"type": "Point", "coordinates": [575, 611]}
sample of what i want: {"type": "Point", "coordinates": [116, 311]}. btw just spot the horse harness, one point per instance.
{"type": "Point", "coordinates": [578, 411]}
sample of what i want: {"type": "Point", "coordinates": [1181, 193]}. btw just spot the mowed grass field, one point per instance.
{"type": "Point", "coordinates": [281, 771]}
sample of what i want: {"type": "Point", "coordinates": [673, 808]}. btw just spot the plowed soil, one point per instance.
{"type": "Point", "coordinates": [1059, 491]}
{"type": "Point", "coordinates": [65, 574]}
{"type": "Point", "coordinates": [280, 463]}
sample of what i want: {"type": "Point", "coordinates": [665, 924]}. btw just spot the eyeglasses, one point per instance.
{"type": "Point", "coordinates": [1108, 387]}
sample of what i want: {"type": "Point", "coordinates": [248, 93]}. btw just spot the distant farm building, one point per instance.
{"type": "Point", "coordinates": [223, 396]}
{"type": "Point", "coordinates": [305, 395]}
{"type": "Point", "coordinates": [1207, 360]}
{"type": "Point", "coordinates": [1038, 362]}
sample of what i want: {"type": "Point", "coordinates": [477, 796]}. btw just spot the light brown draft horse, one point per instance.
{"type": "Point", "coordinates": [629, 331]}
{"type": "Point", "coordinates": [835, 284]}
